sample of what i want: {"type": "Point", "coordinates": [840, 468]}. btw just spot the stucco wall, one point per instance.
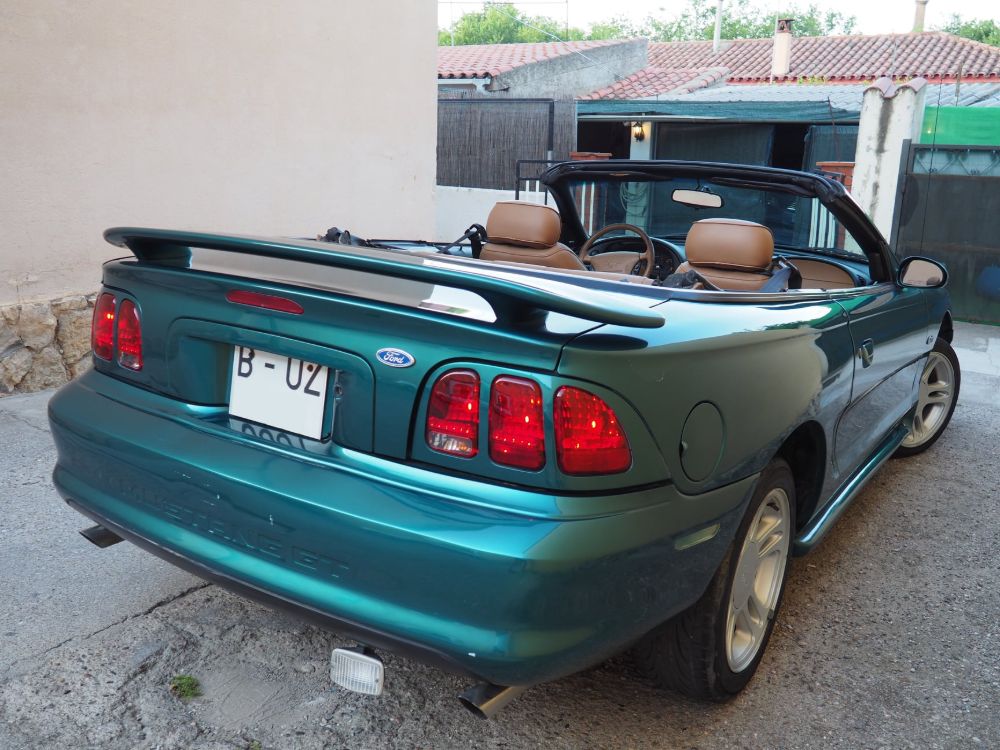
{"type": "Point", "coordinates": [890, 114]}
{"type": "Point", "coordinates": [459, 207]}
{"type": "Point", "coordinates": [569, 76]}
{"type": "Point", "coordinates": [275, 118]}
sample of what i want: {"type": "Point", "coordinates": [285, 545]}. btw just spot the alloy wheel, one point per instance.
{"type": "Point", "coordinates": [757, 581]}
{"type": "Point", "coordinates": [936, 392]}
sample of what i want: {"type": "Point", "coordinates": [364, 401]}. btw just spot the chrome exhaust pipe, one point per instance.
{"type": "Point", "coordinates": [100, 536]}
{"type": "Point", "coordinates": [486, 699]}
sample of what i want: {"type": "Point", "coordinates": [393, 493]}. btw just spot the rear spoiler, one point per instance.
{"type": "Point", "coordinates": [512, 297]}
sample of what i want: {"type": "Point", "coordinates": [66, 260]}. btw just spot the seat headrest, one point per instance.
{"type": "Point", "coordinates": [732, 244]}
{"type": "Point", "coordinates": [523, 224]}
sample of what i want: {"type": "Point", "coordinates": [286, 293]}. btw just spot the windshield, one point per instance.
{"type": "Point", "coordinates": [667, 208]}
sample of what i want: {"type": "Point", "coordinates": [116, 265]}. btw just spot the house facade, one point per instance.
{"type": "Point", "coordinates": [791, 102]}
{"type": "Point", "coordinates": [232, 116]}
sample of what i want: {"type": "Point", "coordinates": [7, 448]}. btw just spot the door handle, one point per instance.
{"type": "Point", "coordinates": [867, 352]}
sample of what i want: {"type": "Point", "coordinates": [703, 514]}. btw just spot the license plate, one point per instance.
{"type": "Point", "coordinates": [282, 392]}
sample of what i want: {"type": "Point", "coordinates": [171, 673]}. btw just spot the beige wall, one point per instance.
{"type": "Point", "coordinates": [458, 207]}
{"type": "Point", "coordinates": [233, 115]}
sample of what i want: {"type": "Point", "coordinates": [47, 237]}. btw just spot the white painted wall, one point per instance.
{"type": "Point", "coordinates": [889, 115]}
{"type": "Point", "coordinates": [251, 117]}
{"type": "Point", "coordinates": [458, 207]}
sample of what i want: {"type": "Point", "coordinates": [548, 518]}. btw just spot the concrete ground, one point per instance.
{"type": "Point", "coordinates": [889, 635]}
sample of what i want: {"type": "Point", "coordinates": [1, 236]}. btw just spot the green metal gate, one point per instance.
{"type": "Point", "coordinates": [950, 210]}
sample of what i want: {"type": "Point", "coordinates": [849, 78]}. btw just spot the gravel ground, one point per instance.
{"type": "Point", "coordinates": [889, 635]}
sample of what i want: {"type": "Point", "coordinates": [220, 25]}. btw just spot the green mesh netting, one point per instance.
{"type": "Point", "coordinates": [966, 126]}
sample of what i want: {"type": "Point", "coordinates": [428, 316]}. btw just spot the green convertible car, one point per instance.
{"type": "Point", "coordinates": [588, 427]}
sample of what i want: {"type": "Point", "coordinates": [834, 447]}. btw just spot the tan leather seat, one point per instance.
{"type": "Point", "coordinates": [521, 232]}
{"type": "Point", "coordinates": [731, 253]}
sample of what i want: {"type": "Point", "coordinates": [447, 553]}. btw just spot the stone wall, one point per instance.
{"type": "Point", "coordinates": [44, 344]}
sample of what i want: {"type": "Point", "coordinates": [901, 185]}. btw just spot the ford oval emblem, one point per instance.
{"type": "Point", "coordinates": [395, 357]}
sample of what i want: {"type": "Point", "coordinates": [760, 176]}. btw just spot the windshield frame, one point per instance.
{"type": "Point", "coordinates": [560, 179]}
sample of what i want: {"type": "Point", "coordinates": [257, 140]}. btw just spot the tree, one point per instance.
{"type": "Point", "coordinates": [502, 23]}
{"type": "Point", "coordinates": [979, 30]}
{"type": "Point", "coordinates": [618, 27]}
{"type": "Point", "coordinates": [741, 19]}
{"type": "Point", "coordinates": [498, 23]}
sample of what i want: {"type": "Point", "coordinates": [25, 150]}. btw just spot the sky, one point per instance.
{"type": "Point", "coordinates": [879, 17]}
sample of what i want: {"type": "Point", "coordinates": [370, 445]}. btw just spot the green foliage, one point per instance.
{"type": "Point", "coordinates": [979, 30]}
{"type": "Point", "coordinates": [618, 27]}
{"type": "Point", "coordinates": [742, 19]}
{"type": "Point", "coordinates": [502, 23]}
{"type": "Point", "coordinates": [185, 687]}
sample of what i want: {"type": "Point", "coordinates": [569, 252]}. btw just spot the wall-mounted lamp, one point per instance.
{"type": "Point", "coordinates": [637, 132]}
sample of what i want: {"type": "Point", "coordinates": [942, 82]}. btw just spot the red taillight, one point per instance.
{"type": "Point", "coordinates": [102, 332]}
{"type": "Point", "coordinates": [453, 414]}
{"type": "Point", "coordinates": [589, 439]}
{"type": "Point", "coordinates": [517, 427]}
{"type": "Point", "coordinates": [129, 336]}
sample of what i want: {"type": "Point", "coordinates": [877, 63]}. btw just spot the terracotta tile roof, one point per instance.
{"type": "Point", "coordinates": [653, 81]}
{"type": "Point", "coordinates": [483, 60]}
{"type": "Point", "coordinates": [934, 55]}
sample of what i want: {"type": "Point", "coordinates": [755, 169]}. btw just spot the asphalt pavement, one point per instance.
{"type": "Point", "coordinates": [889, 635]}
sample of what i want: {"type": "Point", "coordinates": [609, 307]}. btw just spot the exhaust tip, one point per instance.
{"type": "Point", "coordinates": [485, 700]}
{"type": "Point", "coordinates": [472, 708]}
{"type": "Point", "coordinates": [100, 536]}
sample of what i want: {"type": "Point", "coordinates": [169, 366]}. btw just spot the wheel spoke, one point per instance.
{"type": "Point", "coordinates": [768, 545]}
{"type": "Point", "coordinates": [757, 621]}
{"type": "Point", "coordinates": [765, 526]}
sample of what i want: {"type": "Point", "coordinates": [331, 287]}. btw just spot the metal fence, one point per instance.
{"type": "Point", "coordinates": [481, 140]}
{"type": "Point", "coordinates": [528, 185]}
{"type": "Point", "coordinates": [588, 196]}
{"type": "Point", "coordinates": [949, 210]}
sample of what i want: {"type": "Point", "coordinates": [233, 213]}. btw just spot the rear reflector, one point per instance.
{"type": "Point", "coordinates": [589, 439]}
{"type": "Point", "coordinates": [517, 427]}
{"type": "Point", "coordinates": [267, 301]}
{"type": "Point", "coordinates": [453, 414]}
{"type": "Point", "coordinates": [102, 332]}
{"type": "Point", "coordinates": [129, 336]}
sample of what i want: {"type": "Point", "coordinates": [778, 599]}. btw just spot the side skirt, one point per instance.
{"type": "Point", "coordinates": [822, 522]}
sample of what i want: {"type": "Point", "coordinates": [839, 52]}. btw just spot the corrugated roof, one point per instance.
{"type": "Point", "coordinates": [784, 102]}
{"type": "Point", "coordinates": [652, 82]}
{"type": "Point", "coordinates": [691, 108]}
{"type": "Point", "coordinates": [931, 54]}
{"type": "Point", "coordinates": [485, 60]}
{"type": "Point", "coordinates": [841, 96]}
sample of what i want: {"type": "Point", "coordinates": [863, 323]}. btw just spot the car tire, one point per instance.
{"type": "Point", "coordinates": [711, 650]}
{"type": "Point", "coordinates": [940, 381]}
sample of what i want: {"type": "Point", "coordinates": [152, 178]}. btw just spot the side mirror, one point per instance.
{"type": "Point", "coordinates": [922, 273]}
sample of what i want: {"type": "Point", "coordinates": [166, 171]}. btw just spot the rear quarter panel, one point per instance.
{"type": "Point", "coordinates": [765, 369]}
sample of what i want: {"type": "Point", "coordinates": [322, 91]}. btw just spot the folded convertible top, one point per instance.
{"type": "Point", "coordinates": [515, 298]}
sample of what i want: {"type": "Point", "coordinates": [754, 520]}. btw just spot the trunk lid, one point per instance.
{"type": "Point", "coordinates": [355, 303]}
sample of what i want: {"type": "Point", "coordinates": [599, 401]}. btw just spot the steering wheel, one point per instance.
{"type": "Point", "coordinates": [620, 261]}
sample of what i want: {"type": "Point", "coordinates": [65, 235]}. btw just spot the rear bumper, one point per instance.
{"type": "Point", "coordinates": [506, 585]}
